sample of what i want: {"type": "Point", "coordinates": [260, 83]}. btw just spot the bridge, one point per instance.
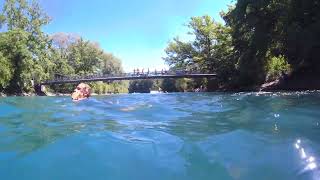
{"type": "Point", "coordinates": [61, 79]}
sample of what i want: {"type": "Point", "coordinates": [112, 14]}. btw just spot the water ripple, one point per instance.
{"type": "Point", "coordinates": [185, 136]}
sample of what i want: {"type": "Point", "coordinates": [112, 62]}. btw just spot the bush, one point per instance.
{"type": "Point", "coordinates": [140, 86]}
{"type": "Point", "coordinates": [104, 88]}
{"type": "Point", "coordinates": [276, 67]}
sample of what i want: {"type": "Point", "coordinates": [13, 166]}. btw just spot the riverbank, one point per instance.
{"type": "Point", "coordinates": [302, 81]}
{"type": "Point", "coordinates": [50, 94]}
{"type": "Point", "coordinates": [296, 82]}
{"type": "Point", "coordinates": [20, 94]}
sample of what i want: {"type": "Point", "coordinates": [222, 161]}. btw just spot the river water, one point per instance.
{"type": "Point", "coordinates": [188, 136]}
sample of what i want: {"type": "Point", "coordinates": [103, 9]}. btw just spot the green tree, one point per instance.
{"type": "Point", "coordinates": [28, 55]}
{"type": "Point", "coordinates": [169, 85]}
{"type": "Point", "coordinates": [13, 46]}
{"type": "Point", "coordinates": [210, 51]}
{"type": "Point", "coordinates": [75, 56]}
{"type": "Point", "coordinates": [140, 86]}
{"type": "Point", "coordinates": [24, 44]}
{"type": "Point", "coordinates": [85, 57]}
{"type": "Point", "coordinates": [276, 67]}
{"type": "Point", "coordinates": [264, 29]}
{"type": "Point", "coordinates": [250, 31]}
{"type": "Point", "coordinates": [5, 71]}
{"type": "Point", "coordinates": [110, 64]}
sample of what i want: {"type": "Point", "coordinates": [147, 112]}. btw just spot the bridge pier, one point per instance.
{"type": "Point", "coordinates": [107, 81]}
{"type": "Point", "coordinates": [40, 90]}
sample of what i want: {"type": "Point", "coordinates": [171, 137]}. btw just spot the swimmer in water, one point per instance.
{"type": "Point", "coordinates": [82, 91]}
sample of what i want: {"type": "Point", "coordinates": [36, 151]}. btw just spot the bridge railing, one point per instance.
{"type": "Point", "coordinates": [130, 74]}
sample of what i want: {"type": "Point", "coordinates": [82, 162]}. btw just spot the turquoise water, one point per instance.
{"type": "Point", "coordinates": [161, 136]}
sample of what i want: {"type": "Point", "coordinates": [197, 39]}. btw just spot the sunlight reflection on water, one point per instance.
{"type": "Point", "coordinates": [308, 160]}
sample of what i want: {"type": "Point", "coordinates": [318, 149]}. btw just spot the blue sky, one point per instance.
{"type": "Point", "coordinates": [136, 31]}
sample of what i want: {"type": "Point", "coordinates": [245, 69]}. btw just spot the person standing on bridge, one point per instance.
{"type": "Point", "coordinates": [82, 91]}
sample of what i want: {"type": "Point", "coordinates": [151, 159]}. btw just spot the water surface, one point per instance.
{"type": "Point", "coordinates": [161, 136]}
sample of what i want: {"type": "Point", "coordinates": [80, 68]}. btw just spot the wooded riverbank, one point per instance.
{"type": "Point", "coordinates": [259, 43]}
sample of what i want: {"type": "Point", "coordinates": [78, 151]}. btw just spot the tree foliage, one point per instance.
{"type": "Point", "coordinates": [260, 39]}
{"type": "Point", "coordinates": [29, 56]}
{"type": "Point", "coordinates": [210, 51]}
{"type": "Point", "coordinates": [78, 57]}
{"type": "Point", "coordinates": [13, 45]}
{"type": "Point", "coordinates": [84, 57]}
{"type": "Point", "coordinates": [24, 46]}
{"type": "Point", "coordinates": [5, 71]}
{"type": "Point", "coordinates": [107, 88]}
{"type": "Point", "coordinates": [276, 67]}
{"type": "Point", "coordinates": [264, 28]}
{"type": "Point", "coordinates": [140, 86]}
{"type": "Point", "coordinates": [110, 64]}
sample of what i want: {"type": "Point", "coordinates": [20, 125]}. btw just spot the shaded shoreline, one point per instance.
{"type": "Point", "coordinates": [296, 82]}
{"type": "Point", "coordinates": [256, 89]}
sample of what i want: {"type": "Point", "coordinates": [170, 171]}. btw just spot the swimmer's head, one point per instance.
{"type": "Point", "coordinates": [82, 91]}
